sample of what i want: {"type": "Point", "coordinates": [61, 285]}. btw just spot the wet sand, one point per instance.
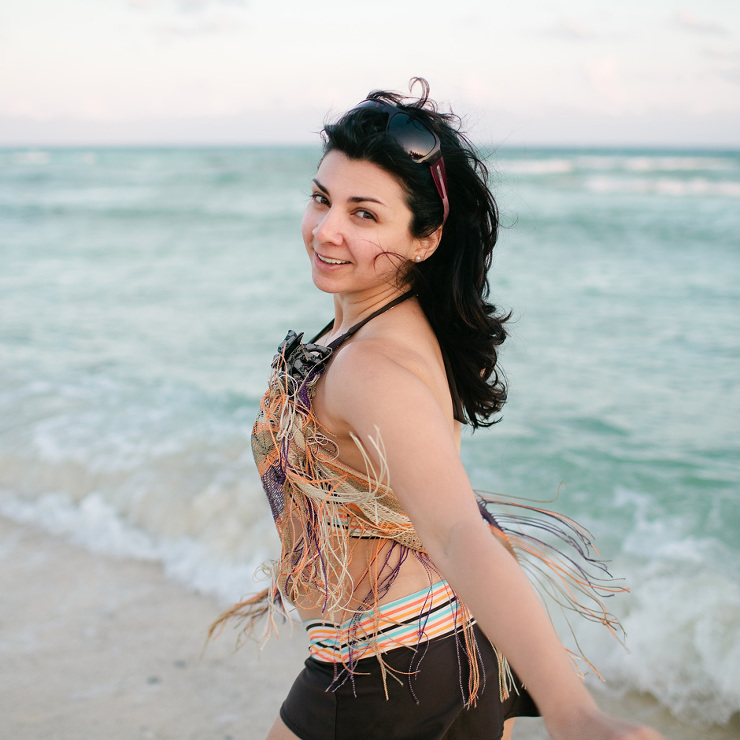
{"type": "Point", "coordinates": [94, 647]}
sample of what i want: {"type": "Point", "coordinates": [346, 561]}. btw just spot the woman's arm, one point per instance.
{"type": "Point", "coordinates": [377, 397]}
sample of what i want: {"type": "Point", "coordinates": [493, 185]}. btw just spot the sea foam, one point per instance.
{"type": "Point", "coordinates": [681, 624]}
{"type": "Point", "coordinates": [94, 524]}
{"type": "Point", "coordinates": [664, 186]}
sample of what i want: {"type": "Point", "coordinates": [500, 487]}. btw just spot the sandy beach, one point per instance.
{"type": "Point", "coordinates": [93, 647]}
{"type": "Point", "coordinates": [96, 647]}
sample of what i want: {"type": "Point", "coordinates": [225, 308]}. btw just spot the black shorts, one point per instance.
{"type": "Point", "coordinates": [427, 705]}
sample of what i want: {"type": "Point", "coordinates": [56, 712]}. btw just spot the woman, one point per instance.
{"type": "Point", "coordinates": [387, 555]}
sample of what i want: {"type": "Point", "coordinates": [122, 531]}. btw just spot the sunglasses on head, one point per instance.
{"type": "Point", "coordinates": [417, 140]}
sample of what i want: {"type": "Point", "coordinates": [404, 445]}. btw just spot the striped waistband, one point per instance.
{"type": "Point", "coordinates": [405, 622]}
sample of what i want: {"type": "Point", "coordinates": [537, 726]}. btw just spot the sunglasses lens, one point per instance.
{"type": "Point", "coordinates": [415, 138]}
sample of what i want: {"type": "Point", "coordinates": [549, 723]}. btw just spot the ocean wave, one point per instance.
{"type": "Point", "coordinates": [92, 523]}
{"type": "Point", "coordinates": [35, 157]}
{"type": "Point", "coordinates": [535, 166]}
{"type": "Point", "coordinates": [678, 164]}
{"type": "Point", "coordinates": [680, 617]}
{"type": "Point", "coordinates": [614, 162]}
{"type": "Point", "coordinates": [664, 186]}
{"type": "Point", "coordinates": [171, 461]}
{"type": "Point", "coordinates": [682, 641]}
{"type": "Point", "coordinates": [197, 492]}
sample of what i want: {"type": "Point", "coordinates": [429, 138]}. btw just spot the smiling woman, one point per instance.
{"type": "Point", "coordinates": [420, 618]}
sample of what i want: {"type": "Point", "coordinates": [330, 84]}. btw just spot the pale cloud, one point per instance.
{"type": "Point", "coordinates": [593, 24]}
{"type": "Point", "coordinates": [188, 27]}
{"type": "Point", "coordinates": [188, 6]}
{"type": "Point", "coordinates": [571, 29]}
{"type": "Point", "coordinates": [723, 55]}
{"type": "Point", "coordinates": [731, 75]}
{"type": "Point", "coordinates": [728, 63]}
{"type": "Point", "coordinates": [22, 108]}
{"type": "Point", "coordinates": [474, 88]}
{"type": "Point", "coordinates": [189, 18]}
{"type": "Point", "coordinates": [205, 5]}
{"type": "Point", "coordinates": [604, 75]}
{"type": "Point", "coordinates": [690, 22]}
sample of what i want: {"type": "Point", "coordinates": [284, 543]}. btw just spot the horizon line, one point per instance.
{"type": "Point", "coordinates": [636, 146]}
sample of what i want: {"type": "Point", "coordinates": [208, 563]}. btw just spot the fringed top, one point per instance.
{"type": "Point", "coordinates": [320, 505]}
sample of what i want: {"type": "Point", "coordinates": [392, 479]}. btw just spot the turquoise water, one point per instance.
{"type": "Point", "coordinates": [143, 293]}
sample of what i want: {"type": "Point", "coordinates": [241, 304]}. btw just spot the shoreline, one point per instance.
{"type": "Point", "coordinates": [96, 646]}
{"type": "Point", "coordinates": [99, 647]}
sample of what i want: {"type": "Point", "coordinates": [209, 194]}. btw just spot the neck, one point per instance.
{"type": "Point", "coordinates": [353, 307]}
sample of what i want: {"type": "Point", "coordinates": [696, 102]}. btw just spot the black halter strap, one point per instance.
{"type": "Point", "coordinates": [353, 329]}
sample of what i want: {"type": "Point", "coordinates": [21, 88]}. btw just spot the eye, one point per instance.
{"type": "Point", "coordinates": [366, 215]}
{"type": "Point", "coordinates": [319, 198]}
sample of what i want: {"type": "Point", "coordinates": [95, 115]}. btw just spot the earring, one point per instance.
{"type": "Point", "coordinates": [417, 259]}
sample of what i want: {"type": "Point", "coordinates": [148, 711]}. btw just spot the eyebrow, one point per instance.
{"type": "Point", "coordinates": [354, 198]}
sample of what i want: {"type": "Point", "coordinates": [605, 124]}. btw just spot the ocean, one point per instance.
{"type": "Point", "coordinates": [143, 293]}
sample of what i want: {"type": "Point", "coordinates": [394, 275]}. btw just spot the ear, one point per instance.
{"type": "Point", "coordinates": [426, 246]}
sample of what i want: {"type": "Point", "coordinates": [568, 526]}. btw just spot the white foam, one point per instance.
{"type": "Point", "coordinates": [677, 164]}
{"type": "Point", "coordinates": [536, 166]}
{"type": "Point", "coordinates": [684, 647]}
{"type": "Point", "coordinates": [31, 157]}
{"type": "Point", "coordinates": [616, 163]}
{"type": "Point", "coordinates": [94, 525]}
{"type": "Point", "coordinates": [681, 617]}
{"type": "Point", "coordinates": [657, 537]}
{"type": "Point", "coordinates": [663, 186]}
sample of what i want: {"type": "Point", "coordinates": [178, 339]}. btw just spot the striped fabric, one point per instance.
{"type": "Point", "coordinates": [405, 622]}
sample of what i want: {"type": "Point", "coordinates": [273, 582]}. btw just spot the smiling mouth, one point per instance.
{"type": "Point", "coordinates": [329, 261]}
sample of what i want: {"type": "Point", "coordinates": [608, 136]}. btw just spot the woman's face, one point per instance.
{"type": "Point", "coordinates": [357, 226]}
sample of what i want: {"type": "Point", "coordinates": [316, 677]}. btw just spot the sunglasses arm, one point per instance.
{"type": "Point", "coordinates": [439, 175]}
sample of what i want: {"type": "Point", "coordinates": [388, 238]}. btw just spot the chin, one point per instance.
{"type": "Point", "coordinates": [324, 284]}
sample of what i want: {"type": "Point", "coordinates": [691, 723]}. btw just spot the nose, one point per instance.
{"type": "Point", "coordinates": [328, 229]}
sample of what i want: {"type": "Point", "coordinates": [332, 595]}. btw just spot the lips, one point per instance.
{"type": "Point", "coordinates": [330, 261]}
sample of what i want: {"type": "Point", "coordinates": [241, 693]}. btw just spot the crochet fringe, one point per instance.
{"type": "Point", "coordinates": [322, 507]}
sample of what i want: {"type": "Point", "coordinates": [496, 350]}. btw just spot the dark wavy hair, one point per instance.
{"type": "Point", "coordinates": [452, 284]}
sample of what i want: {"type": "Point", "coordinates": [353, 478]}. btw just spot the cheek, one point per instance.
{"type": "Point", "coordinates": [308, 224]}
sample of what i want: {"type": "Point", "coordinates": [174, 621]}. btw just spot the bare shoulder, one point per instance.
{"type": "Point", "coordinates": [373, 364]}
{"type": "Point", "coordinates": [387, 370]}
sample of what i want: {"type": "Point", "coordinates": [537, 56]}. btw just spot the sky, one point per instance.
{"type": "Point", "coordinates": [569, 72]}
